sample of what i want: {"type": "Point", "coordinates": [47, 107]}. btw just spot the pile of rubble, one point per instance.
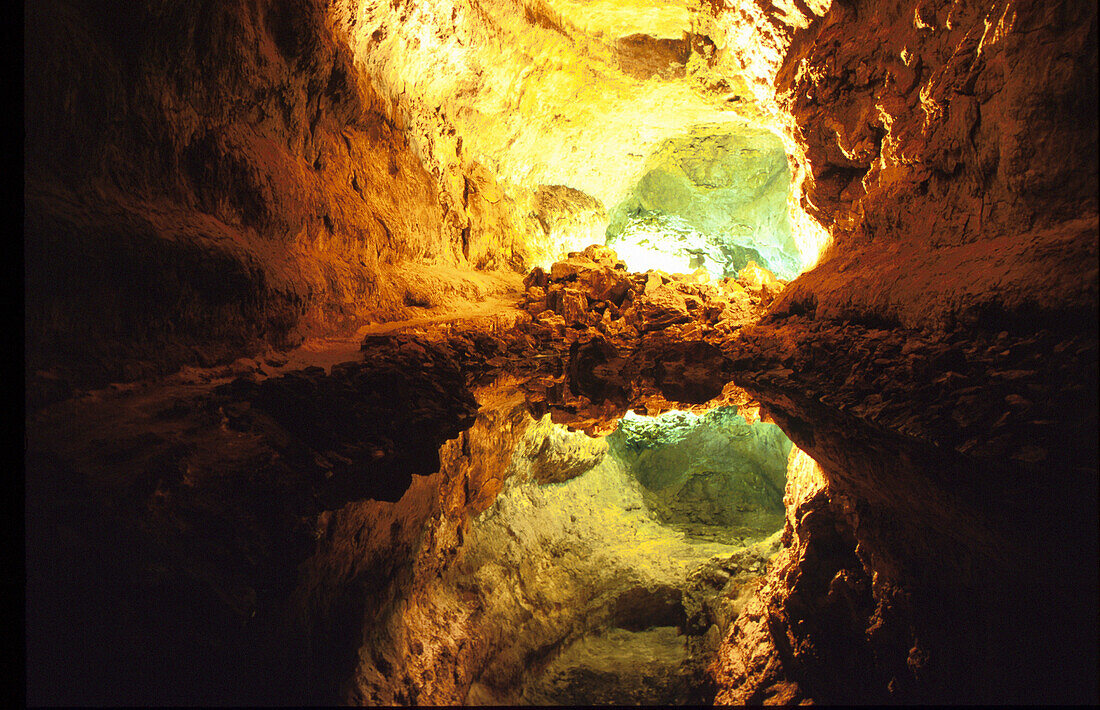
{"type": "Point", "coordinates": [593, 291]}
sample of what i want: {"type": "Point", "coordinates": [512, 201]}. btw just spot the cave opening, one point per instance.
{"type": "Point", "coordinates": [714, 198]}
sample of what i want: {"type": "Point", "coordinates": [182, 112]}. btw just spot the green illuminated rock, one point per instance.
{"type": "Point", "coordinates": [713, 476]}
{"type": "Point", "coordinates": [715, 198]}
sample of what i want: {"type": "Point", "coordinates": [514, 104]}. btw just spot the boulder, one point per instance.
{"type": "Point", "coordinates": [537, 277]}
{"type": "Point", "coordinates": [662, 307]}
{"type": "Point", "coordinates": [569, 269]}
{"type": "Point", "coordinates": [573, 305]}
{"type": "Point", "coordinates": [604, 255]}
{"type": "Point", "coordinates": [606, 284]}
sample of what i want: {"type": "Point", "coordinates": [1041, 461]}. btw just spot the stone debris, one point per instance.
{"type": "Point", "coordinates": [591, 292]}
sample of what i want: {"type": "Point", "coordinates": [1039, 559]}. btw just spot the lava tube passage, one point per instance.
{"type": "Point", "coordinates": [715, 198]}
{"type": "Point", "coordinates": [606, 568]}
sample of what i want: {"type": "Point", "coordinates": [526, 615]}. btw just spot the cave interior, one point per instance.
{"type": "Point", "coordinates": [560, 352]}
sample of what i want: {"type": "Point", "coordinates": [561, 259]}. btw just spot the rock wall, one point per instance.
{"type": "Point", "coordinates": [203, 179]}
{"type": "Point", "coordinates": [540, 93]}
{"type": "Point", "coordinates": [713, 476]}
{"type": "Point", "coordinates": [206, 180]}
{"type": "Point", "coordinates": [952, 155]}
{"type": "Point", "coordinates": [546, 94]}
{"type": "Point", "coordinates": [547, 567]}
{"type": "Point", "coordinates": [718, 194]}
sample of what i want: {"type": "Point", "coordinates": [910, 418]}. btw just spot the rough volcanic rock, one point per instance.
{"type": "Point", "coordinates": [707, 474]}
{"type": "Point", "coordinates": [625, 308]}
{"type": "Point", "coordinates": [501, 603]}
{"type": "Point", "coordinates": [570, 220]}
{"type": "Point", "coordinates": [563, 455]}
{"type": "Point", "coordinates": [714, 198]}
{"type": "Point", "coordinates": [179, 516]}
{"type": "Point", "coordinates": [201, 182]}
{"type": "Point", "coordinates": [662, 307]}
{"type": "Point", "coordinates": [988, 395]}
{"type": "Point", "coordinates": [941, 170]}
{"type": "Point", "coordinates": [519, 87]}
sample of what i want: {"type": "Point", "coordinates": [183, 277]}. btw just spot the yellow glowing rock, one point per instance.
{"type": "Point", "coordinates": [571, 94]}
{"type": "Point", "coordinates": [756, 278]}
{"type": "Point", "coordinates": [613, 18]}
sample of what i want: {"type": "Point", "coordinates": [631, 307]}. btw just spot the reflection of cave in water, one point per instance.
{"type": "Point", "coordinates": [714, 476]}
{"type": "Point", "coordinates": [614, 562]}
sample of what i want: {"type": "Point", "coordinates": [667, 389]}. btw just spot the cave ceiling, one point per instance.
{"type": "Point", "coordinates": [548, 93]}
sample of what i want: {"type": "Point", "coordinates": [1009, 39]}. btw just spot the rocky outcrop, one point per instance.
{"type": "Point", "coordinates": [940, 166]}
{"type": "Point", "coordinates": [591, 292]}
{"type": "Point", "coordinates": [930, 163]}
{"type": "Point", "coordinates": [563, 455]}
{"type": "Point", "coordinates": [203, 181]}
{"type": "Point", "coordinates": [570, 220]}
{"type": "Point", "coordinates": [179, 515]}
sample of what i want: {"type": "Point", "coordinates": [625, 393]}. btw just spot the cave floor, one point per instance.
{"type": "Point", "coordinates": [497, 311]}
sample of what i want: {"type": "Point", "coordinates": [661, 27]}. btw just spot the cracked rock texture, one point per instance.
{"type": "Point", "coordinates": [526, 600]}
{"type": "Point", "coordinates": [936, 149]}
